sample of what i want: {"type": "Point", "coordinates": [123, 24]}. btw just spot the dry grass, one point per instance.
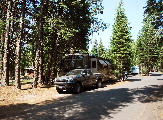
{"type": "Point", "coordinates": [10, 95]}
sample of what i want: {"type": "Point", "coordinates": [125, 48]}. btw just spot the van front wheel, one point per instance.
{"type": "Point", "coordinates": [99, 83]}
{"type": "Point", "coordinates": [77, 88]}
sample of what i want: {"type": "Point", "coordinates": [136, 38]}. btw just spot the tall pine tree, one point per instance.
{"type": "Point", "coordinates": [154, 10]}
{"type": "Point", "coordinates": [121, 42]}
{"type": "Point", "coordinates": [148, 47]}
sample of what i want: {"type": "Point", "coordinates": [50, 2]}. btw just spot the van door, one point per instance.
{"type": "Point", "coordinates": [86, 79]}
{"type": "Point", "coordinates": [94, 65]}
{"type": "Point", "coordinates": [92, 79]}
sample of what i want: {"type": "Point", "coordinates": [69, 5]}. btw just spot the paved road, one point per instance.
{"type": "Point", "coordinates": [138, 99]}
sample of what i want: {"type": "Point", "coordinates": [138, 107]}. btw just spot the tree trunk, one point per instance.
{"type": "Point", "coordinates": [5, 79]}
{"type": "Point", "coordinates": [35, 83]}
{"type": "Point", "coordinates": [18, 47]}
{"type": "Point", "coordinates": [38, 60]}
{"type": "Point", "coordinates": [1, 54]}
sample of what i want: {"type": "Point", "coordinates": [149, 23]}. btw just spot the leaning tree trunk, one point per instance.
{"type": "Point", "coordinates": [5, 78]}
{"type": "Point", "coordinates": [38, 60]}
{"type": "Point", "coordinates": [18, 47]}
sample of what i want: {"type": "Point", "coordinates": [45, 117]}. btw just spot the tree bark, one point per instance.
{"type": "Point", "coordinates": [18, 47]}
{"type": "Point", "coordinates": [1, 54]}
{"type": "Point", "coordinates": [5, 78]}
{"type": "Point", "coordinates": [38, 60]}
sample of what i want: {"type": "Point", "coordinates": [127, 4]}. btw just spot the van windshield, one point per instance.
{"type": "Point", "coordinates": [74, 72]}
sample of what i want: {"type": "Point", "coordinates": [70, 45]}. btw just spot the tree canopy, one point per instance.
{"type": "Point", "coordinates": [150, 40]}
{"type": "Point", "coordinates": [39, 32]}
{"type": "Point", "coordinates": [121, 42]}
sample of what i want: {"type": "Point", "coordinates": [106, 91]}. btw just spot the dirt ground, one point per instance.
{"type": "Point", "coordinates": [10, 97]}
{"type": "Point", "coordinates": [27, 97]}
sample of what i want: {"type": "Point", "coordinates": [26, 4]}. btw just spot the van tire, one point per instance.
{"type": "Point", "coordinates": [59, 90]}
{"type": "Point", "coordinates": [77, 88]}
{"type": "Point", "coordinates": [98, 84]}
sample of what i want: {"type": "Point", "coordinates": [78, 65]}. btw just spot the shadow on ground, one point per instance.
{"type": "Point", "coordinates": [87, 105]}
{"type": "Point", "coordinates": [151, 93]}
{"type": "Point", "coordinates": [133, 80]}
{"type": "Point", "coordinates": [154, 74]}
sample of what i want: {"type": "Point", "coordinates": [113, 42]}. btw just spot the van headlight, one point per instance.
{"type": "Point", "coordinates": [55, 79]}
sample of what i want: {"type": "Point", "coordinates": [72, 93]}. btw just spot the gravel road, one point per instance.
{"type": "Point", "coordinates": [141, 98]}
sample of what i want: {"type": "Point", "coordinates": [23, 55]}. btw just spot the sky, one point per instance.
{"type": "Point", "coordinates": [134, 12]}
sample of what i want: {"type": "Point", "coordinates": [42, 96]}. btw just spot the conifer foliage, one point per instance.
{"type": "Point", "coordinates": [154, 9]}
{"type": "Point", "coordinates": [148, 46]}
{"type": "Point", "coordinates": [94, 50]}
{"type": "Point", "coordinates": [121, 42]}
{"type": "Point", "coordinates": [99, 49]}
{"type": "Point", "coordinates": [39, 33]}
{"type": "Point", "coordinates": [149, 43]}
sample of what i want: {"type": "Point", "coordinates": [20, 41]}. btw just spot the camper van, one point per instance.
{"type": "Point", "coordinates": [135, 70]}
{"type": "Point", "coordinates": [100, 65]}
{"type": "Point", "coordinates": [85, 61]}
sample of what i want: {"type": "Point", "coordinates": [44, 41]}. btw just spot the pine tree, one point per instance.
{"type": "Point", "coordinates": [19, 46]}
{"type": "Point", "coordinates": [148, 47]}
{"type": "Point", "coordinates": [101, 49]}
{"type": "Point", "coordinates": [94, 50]}
{"type": "Point", "coordinates": [5, 78]}
{"type": "Point", "coordinates": [154, 10]}
{"type": "Point", "coordinates": [39, 45]}
{"type": "Point", "coordinates": [51, 27]}
{"type": "Point", "coordinates": [1, 47]}
{"type": "Point", "coordinates": [121, 42]}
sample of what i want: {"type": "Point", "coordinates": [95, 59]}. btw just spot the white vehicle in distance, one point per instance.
{"type": "Point", "coordinates": [135, 70]}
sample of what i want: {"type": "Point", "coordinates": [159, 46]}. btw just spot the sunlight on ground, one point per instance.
{"type": "Point", "coordinates": [161, 115]}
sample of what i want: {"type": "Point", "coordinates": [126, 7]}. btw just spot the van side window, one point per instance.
{"type": "Point", "coordinates": [93, 64]}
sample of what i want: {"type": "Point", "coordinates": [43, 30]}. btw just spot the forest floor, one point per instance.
{"type": "Point", "coordinates": [10, 97]}
{"type": "Point", "coordinates": [27, 94]}
{"type": "Point", "coordinates": [13, 100]}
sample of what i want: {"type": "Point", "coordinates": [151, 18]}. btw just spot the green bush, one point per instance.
{"type": "Point", "coordinates": [145, 71]}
